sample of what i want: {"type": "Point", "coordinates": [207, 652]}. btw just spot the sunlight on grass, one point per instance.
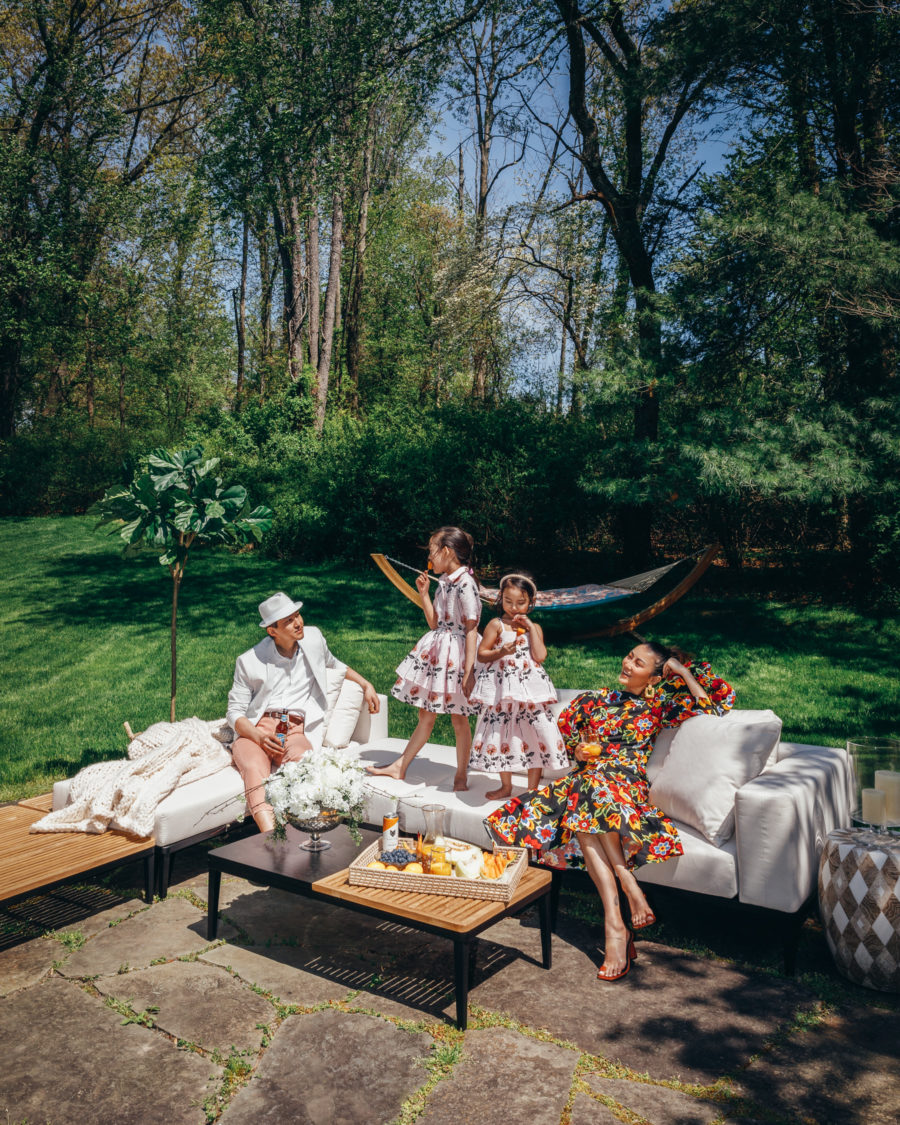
{"type": "Point", "coordinates": [86, 646]}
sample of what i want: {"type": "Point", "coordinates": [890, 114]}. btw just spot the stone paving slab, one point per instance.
{"type": "Point", "coordinates": [268, 916]}
{"type": "Point", "coordinates": [29, 962]}
{"type": "Point", "coordinates": [172, 928]}
{"type": "Point", "coordinates": [586, 1111]}
{"type": "Point", "coordinates": [412, 971]}
{"type": "Point", "coordinates": [68, 1060]}
{"type": "Point", "coordinates": [199, 1003]}
{"type": "Point", "coordinates": [406, 996]}
{"type": "Point", "coordinates": [659, 1104]}
{"type": "Point", "coordinates": [535, 1079]}
{"type": "Point", "coordinates": [291, 973]}
{"type": "Point", "coordinates": [675, 1016]}
{"type": "Point", "coordinates": [103, 919]}
{"type": "Point", "coordinates": [333, 1068]}
{"type": "Point", "coordinates": [26, 964]}
{"type": "Point", "coordinates": [842, 1071]}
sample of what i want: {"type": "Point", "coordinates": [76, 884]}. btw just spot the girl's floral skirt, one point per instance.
{"type": "Point", "coordinates": [611, 797]}
{"type": "Point", "coordinates": [516, 737]}
{"type": "Point", "coordinates": [431, 676]}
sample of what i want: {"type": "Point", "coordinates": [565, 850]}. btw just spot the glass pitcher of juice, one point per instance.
{"type": "Point", "coordinates": [434, 832]}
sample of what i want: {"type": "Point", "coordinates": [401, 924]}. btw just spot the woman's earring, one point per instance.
{"type": "Point", "coordinates": [649, 692]}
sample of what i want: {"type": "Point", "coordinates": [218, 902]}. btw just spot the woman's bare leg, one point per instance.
{"type": "Point", "coordinates": [419, 737]}
{"type": "Point", "coordinates": [641, 914]}
{"type": "Point", "coordinates": [601, 872]}
{"type": "Point", "coordinates": [463, 731]}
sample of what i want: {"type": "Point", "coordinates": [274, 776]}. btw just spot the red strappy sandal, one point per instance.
{"type": "Point", "coordinates": [651, 921]}
{"type": "Point", "coordinates": [630, 955]}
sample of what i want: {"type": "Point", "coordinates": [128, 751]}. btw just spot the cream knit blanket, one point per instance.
{"type": "Point", "coordinates": [124, 794]}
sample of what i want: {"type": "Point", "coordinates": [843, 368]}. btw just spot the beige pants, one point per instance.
{"type": "Point", "coordinates": [255, 765]}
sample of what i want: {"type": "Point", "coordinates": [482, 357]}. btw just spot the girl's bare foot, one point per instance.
{"type": "Point", "coordinates": [395, 770]}
{"type": "Point", "coordinates": [498, 794]}
{"type": "Point", "coordinates": [460, 783]}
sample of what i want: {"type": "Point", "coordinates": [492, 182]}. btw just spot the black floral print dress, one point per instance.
{"type": "Point", "coordinates": [611, 793]}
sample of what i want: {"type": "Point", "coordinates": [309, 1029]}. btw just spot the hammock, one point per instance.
{"type": "Point", "coordinates": [581, 597]}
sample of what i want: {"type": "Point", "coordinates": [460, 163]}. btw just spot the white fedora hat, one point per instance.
{"type": "Point", "coordinates": [276, 608]}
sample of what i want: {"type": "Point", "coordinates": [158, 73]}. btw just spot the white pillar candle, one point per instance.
{"type": "Point", "coordinates": [888, 781]}
{"type": "Point", "coordinates": [874, 804]}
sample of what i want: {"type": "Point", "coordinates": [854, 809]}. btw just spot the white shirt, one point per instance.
{"type": "Point", "coordinates": [289, 683]}
{"type": "Point", "coordinates": [261, 671]}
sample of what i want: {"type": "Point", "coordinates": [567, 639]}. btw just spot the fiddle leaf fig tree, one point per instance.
{"type": "Point", "coordinates": [174, 501]}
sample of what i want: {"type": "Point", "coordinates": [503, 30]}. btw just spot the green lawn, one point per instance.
{"type": "Point", "coordinates": [85, 645]}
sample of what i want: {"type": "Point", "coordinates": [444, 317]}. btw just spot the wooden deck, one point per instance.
{"type": "Point", "coordinates": [44, 803]}
{"type": "Point", "coordinates": [30, 861]}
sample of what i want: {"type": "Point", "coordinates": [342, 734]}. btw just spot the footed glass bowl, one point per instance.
{"type": "Point", "coordinates": [326, 821]}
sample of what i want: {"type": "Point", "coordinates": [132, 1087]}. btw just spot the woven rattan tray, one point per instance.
{"type": "Point", "coordinates": [500, 890]}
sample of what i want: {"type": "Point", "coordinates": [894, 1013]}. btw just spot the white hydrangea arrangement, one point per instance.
{"type": "Point", "coordinates": [323, 780]}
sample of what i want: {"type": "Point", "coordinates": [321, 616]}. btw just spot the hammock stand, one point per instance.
{"type": "Point", "coordinates": [621, 589]}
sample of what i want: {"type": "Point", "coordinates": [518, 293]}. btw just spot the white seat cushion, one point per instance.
{"type": "Point", "coordinates": [199, 807]}
{"type": "Point", "coordinates": [429, 781]}
{"type": "Point", "coordinates": [212, 802]}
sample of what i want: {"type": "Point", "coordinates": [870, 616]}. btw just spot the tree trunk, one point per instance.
{"type": "Point", "coordinates": [267, 274]}
{"type": "Point", "coordinates": [313, 283]}
{"type": "Point", "coordinates": [290, 251]}
{"type": "Point", "coordinates": [89, 370]}
{"type": "Point", "coordinates": [331, 314]}
{"type": "Point", "coordinates": [176, 583]}
{"type": "Point", "coordinates": [354, 326]}
{"type": "Point", "coordinates": [122, 397]}
{"type": "Point", "coordinates": [242, 313]}
{"type": "Point", "coordinates": [566, 318]}
{"type": "Point", "coordinates": [9, 381]}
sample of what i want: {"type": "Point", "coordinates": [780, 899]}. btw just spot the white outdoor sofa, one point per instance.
{"type": "Point", "coordinates": [781, 797]}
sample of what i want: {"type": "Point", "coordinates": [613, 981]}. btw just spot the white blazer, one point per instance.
{"type": "Point", "coordinates": [251, 692]}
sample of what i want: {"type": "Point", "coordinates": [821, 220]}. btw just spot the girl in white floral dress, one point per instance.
{"type": "Point", "coordinates": [439, 674]}
{"type": "Point", "coordinates": [516, 731]}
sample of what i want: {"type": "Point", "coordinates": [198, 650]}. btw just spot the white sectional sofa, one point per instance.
{"type": "Point", "coordinates": [752, 811]}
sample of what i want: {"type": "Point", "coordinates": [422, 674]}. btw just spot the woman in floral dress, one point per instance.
{"type": "Point", "coordinates": [600, 816]}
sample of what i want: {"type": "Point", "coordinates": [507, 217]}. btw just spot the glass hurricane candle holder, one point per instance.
{"type": "Point", "coordinates": [875, 797]}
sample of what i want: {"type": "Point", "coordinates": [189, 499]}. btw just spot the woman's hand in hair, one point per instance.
{"type": "Point", "coordinates": [673, 667]}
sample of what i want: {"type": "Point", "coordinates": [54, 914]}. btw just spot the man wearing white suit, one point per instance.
{"type": "Point", "coordinates": [283, 674]}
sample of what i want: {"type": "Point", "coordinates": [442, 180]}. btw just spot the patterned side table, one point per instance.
{"type": "Point", "coordinates": [859, 885]}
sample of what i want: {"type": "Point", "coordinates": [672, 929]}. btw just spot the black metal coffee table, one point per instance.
{"type": "Point", "coordinates": [323, 876]}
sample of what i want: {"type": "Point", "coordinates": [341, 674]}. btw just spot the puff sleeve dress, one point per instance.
{"type": "Point", "coordinates": [610, 793]}
{"type": "Point", "coordinates": [431, 676]}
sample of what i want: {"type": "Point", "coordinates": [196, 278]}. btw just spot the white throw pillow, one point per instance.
{"type": "Point", "coordinates": [341, 723]}
{"type": "Point", "coordinates": [699, 766]}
